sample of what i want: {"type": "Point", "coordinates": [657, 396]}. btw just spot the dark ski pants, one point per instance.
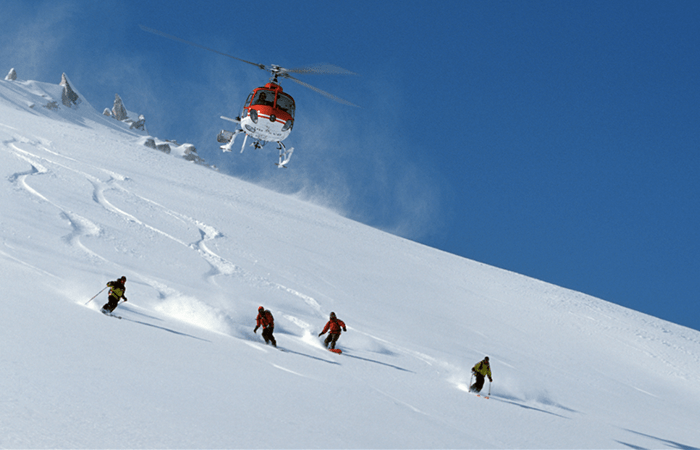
{"type": "Point", "coordinates": [332, 339]}
{"type": "Point", "coordinates": [479, 385]}
{"type": "Point", "coordinates": [267, 335]}
{"type": "Point", "coordinates": [111, 304]}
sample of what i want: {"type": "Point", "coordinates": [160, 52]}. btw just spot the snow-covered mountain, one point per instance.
{"type": "Point", "coordinates": [84, 201]}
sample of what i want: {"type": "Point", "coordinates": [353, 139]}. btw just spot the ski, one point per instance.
{"type": "Point", "coordinates": [335, 350]}
{"type": "Point", "coordinates": [481, 394]}
{"type": "Point", "coordinates": [107, 313]}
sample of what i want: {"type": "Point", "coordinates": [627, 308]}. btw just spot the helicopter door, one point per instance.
{"type": "Point", "coordinates": [286, 103]}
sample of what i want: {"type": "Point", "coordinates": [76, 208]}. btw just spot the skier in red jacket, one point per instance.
{"type": "Point", "coordinates": [266, 321]}
{"type": "Point", "coordinates": [333, 326]}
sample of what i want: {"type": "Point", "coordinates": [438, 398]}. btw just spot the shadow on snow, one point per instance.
{"type": "Point", "coordinates": [378, 362]}
{"type": "Point", "coordinates": [665, 442]}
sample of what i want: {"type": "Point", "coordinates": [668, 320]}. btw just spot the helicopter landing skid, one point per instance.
{"type": "Point", "coordinates": [228, 137]}
{"type": "Point", "coordinates": [285, 155]}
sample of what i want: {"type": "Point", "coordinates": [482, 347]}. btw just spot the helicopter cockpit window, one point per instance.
{"type": "Point", "coordinates": [264, 98]}
{"type": "Point", "coordinates": [286, 103]}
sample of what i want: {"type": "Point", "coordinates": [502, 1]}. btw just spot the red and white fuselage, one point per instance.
{"type": "Point", "coordinates": [268, 114]}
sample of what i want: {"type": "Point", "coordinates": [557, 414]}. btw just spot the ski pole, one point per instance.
{"type": "Point", "coordinates": [489, 388]}
{"type": "Point", "coordinates": [96, 295]}
{"type": "Point", "coordinates": [470, 382]}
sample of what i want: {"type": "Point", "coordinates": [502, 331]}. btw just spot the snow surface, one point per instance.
{"type": "Point", "coordinates": [84, 202]}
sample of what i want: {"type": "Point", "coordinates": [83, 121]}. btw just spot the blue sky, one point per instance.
{"type": "Point", "coordinates": [554, 139]}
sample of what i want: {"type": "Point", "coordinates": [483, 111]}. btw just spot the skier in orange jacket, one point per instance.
{"type": "Point", "coordinates": [267, 322]}
{"type": "Point", "coordinates": [333, 326]}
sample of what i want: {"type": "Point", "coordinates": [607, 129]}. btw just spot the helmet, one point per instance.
{"type": "Point", "coordinates": [486, 359]}
{"type": "Point", "coordinates": [261, 309]}
{"type": "Point", "coordinates": [123, 278]}
{"type": "Point", "coordinates": [332, 315]}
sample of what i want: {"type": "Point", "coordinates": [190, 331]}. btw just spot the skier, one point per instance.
{"type": "Point", "coordinates": [480, 370]}
{"type": "Point", "coordinates": [333, 326]}
{"type": "Point", "coordinates": [115, 294]}
{"type": "Point", "coordinates": [266, 321]}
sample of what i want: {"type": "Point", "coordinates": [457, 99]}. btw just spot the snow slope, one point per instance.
{"type": "Point", "coordinates": [84, 202]}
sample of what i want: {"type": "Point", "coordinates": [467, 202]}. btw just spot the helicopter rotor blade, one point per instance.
{"type": "Point", "coordinates": [328, 69]}
{"type": "Point", "coordinates": [175, 38]}
{"type": "Point", "coordinates": [324, 93]}
{"type": "Point", "coordinates": [273, 69]}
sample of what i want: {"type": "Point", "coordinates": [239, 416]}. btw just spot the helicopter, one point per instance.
{"type": "Point", "coordinates": [268, 112]}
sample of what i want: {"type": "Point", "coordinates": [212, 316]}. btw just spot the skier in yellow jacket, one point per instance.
{"type": "Point", "coordinates": [115, 294]}
{"type": "Point", "coordinates": [480, 370]}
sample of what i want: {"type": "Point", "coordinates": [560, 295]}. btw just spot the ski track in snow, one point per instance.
{"type": "Point", "coordinates": [20, 178]}
{"type": "Point", "coordinates": [219, 265]}
{"type": "Point", "coordinates": [80, 226]}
